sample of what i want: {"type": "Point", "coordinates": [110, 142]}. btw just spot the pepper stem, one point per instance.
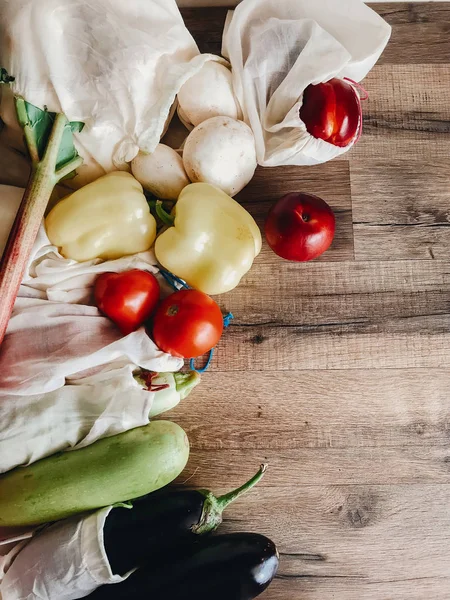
{"type": "Point", "coordinates": [162, 214]}
{"type": "Point", "coordinates": [213, 507]}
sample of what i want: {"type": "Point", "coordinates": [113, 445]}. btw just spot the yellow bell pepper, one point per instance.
{"type": "Point", "coordinates": [106, 219]}
{"type": "Point", "coordinates": [213, 241]}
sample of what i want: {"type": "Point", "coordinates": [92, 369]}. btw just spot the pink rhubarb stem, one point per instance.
{"type": "Point", "coordinates": [27, 222]}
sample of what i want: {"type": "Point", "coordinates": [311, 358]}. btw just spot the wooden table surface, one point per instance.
{"type": "Point", "coordinates": [337, 372]}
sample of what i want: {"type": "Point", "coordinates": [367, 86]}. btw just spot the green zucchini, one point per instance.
{"type": "Point", "coordinates": [110, 470]}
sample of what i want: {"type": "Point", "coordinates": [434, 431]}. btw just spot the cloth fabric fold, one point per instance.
{"type": "Point", "coordinates": [116, 66]}
{"type": "Point", "coordinates": [64, 561]}
{"type": "Point", "coordinates": [66, 380]}
{"type": "Point", "coordinates": [310, 42]}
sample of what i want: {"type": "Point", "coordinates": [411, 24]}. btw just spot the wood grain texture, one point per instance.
{"type": "Point", "coordinates": [406, 116]}
{"type": "Point", "coordinates": [420, 33]}
{"type": "Point", "coordinates": [350, 315]}
{"type": "Point", "coordinates": [408, 216]}
{"type": "Point", "coordinates": [337, 372]}
{"type": "Point", "coordinates": [394, 409]}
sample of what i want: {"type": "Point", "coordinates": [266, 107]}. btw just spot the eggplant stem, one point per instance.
{"type": "Point", "coordinates": [227, 499]}
{"type": "Point", "coordinates": [213, 507]}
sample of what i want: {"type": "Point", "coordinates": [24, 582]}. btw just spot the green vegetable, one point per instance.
{"type": "Point", "coordinates": [111, 470]}
{"type": "Point", "coordinates": [170, 388]}
{"type": "Point", "coordinates": [38, 124]}
{"type": "Point", "coordinates": [49, 139]}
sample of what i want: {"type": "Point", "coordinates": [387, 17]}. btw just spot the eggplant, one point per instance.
{"type": "Point", "coordinates": [237, 566]}
{"type": "Point", "coordinates": [163, 520]}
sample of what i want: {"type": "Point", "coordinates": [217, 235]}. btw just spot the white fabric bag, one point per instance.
{"type": "Point", "coordinates": [64, 561]}
{"type": "Point", "coordinates": [76, 415]}
{"type": "Point", "coordinates": [66, 371]}
{"type": "Point", "coordinates": [66, 380]}
{"type": "Point", "coordinates": [56, 334]}
{"type": "Point", "coordinates": [115, 65]}
{"type": "Point", "coordinates": [277, 48]}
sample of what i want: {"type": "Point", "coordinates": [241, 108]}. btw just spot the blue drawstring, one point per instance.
{"type": "Point", "coordinates": [227, 319]}
{"type": "Point", "coordinates": [172, 280]}
{"type": "Point", "coordinates": [226, 322]}
{"type": "Point", "coordinates": [203, 369]}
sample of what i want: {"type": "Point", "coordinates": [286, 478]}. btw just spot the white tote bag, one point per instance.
{"type": "Point", "coordinates": [277, 48]}
{"type": "Point", "coordinates": [63, 561]}
{"type": "Point", "coordinates": [115, 65]}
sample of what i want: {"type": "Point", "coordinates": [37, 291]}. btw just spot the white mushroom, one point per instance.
{"type": "Point", "coordinates": [221, 151]}
{"type": "Point", "coordinates": [208, 93]}
{"type": "Point", "coordinates": [161, 172]}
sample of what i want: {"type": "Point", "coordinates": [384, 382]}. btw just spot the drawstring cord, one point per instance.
{"type": "Point", "coordinates": [226, 322]}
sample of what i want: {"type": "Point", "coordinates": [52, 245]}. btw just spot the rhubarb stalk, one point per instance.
{"type": "Point", "coordinates": [44, 176]}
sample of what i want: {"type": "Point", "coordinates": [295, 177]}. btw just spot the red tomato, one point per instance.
{"type": "Point", "coordinates": [332, 112]}
{"type": "Point", "coordinates": [127, 298]}
{"type": "Point", "coordinates": [300, 227]}
{"type": "Point", "coordinates": [187, 324]}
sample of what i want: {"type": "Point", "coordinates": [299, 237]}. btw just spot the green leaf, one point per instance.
{"type": "Point", "coordinates": [39, 123]}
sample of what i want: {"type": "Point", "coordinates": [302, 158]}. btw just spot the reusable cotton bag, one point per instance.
{"type": "Point", "coordinates": [66, 380]}
{"type": "Point", "coordinates": [63, 561]}
{"type": "Point", "coordinates": [117, 66]}
{"type": "Point", "coordinates": [277, 48]}
{"type": "Point", "coordinates": [66, 372]}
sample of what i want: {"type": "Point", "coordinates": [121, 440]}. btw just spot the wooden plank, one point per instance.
{"type": "Point", "coordinates": [407, 216]}
{"type": "Point", "coordinates": [407, 115]}
{"type": "Point", "coordinates": [400, 13]}
{"type": "Point", "coordinates": [334, 294]}
{"type": "Point", "coordinates": [408, 585]}
{"type": "Point", "coordinates": [316, 315]}
{"type": "Point", "coordinates": [315, 466]}
{"type": "Point", "coordinates": [288, 348]}
{"type": "Point", "coordinates": [418, 43]}
{"type": "Point", "coordinates": [420, 32]}
{"type": "Point", "coordinates": [206, 26]}
{"type": "Point", "coordinates": [367, 533]}
{"type": "Point", "coordinates": [330, 181]}
{"type": "Point", "coordinates": [270, 413]}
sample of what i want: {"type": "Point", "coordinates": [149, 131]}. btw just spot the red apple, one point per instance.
{"type": "Point", "coordinates": [332, 112]}
{"type": "Point", "coordinates": [300, 227]}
